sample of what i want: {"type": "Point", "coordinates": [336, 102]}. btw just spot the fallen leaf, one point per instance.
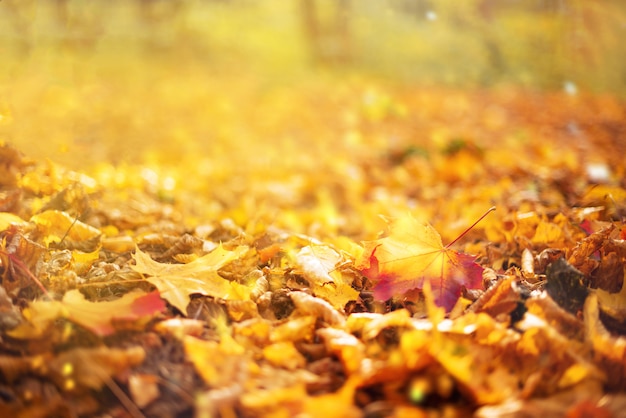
{"type": "Point", "coordinates": [54, 225]}
{"type": "Point", "coordinates": [20, 258]}
{"type": "Point", "coordinates": [579, 257]}
{"type": "Point", "coordinates": [610, 349]}
{"type": "Point", "coordinates": [349, 349]}
{"type": "Point", "coordinates": [319, 265]}
{"type": "Point", "coordinates": [501, 298]}
{"type": "Point", "coordinates": [144, 388]}
{"type": "Point", "coordinates": [98, 317]}
{"type": "Point", "coordinates": [77, 368]}
{"type": "Point", "coordinates": [217, 363]}
{"type": "Point", "coordinates": [284, 354]}
{"type": "Point", "coordinates": [310, 305]}
{"type": "Point", "coordinates": [92, 367]}
{"type": "Point", "coordinates": [613, 304]}
{"type": "Point", "coordinates": [412, 254]}
{"type": "Point", "coordinates": [179, 327]}
{"type": "Point", "coordinates": [83, 261]}
{"type": "Point", "coordinates": [609, 275]}
{"type": "Point", "coordinates": [7, 219]}
{"type": "Point", "coordinates": [338, 404]}
{"type": "Point", "coordinates": [9, 314]}
{"type": "Point", "coordinates": [566, 285]}
{"type": "Point", "coordinates": [176, 282]}
{"type": "Point", "coordinates": [295, 329]}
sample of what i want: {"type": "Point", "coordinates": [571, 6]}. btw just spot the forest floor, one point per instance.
{"type": "Point", "coordinates": [304, 261]}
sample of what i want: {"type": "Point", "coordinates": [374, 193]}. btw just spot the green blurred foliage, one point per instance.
{"type": "Point", "coordinates": [537, 44]}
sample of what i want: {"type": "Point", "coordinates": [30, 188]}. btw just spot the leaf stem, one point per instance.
{"type": "Point", "coordinates": [491, 209]}
{"type": "Point", "coordinates": [20, 265]}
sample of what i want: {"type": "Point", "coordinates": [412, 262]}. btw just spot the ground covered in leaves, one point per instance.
{"type": "Point", "coordinates": [258, 278]}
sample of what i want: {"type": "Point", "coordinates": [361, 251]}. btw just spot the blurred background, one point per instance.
{"type": "Point", "coordinates": [158, 81]}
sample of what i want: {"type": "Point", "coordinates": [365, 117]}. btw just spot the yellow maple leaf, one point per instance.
{"type": "Point", "coordinates": [176, 282]}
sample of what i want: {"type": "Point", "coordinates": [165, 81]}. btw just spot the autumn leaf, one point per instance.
{"type": "Point", "coordinates": [177, 282]}
{"type": "Point", "coordinates": [7, 219]}
{"type": "Point", "coordinates": [76, 368]}
{"type": "Point", "coordinates": [412, 254]}
{"type": "Point", "coordinates": [318, 263]}
{"type": "Point", "coordinates": [55, 226]}
{"type": "Point", "coordinates": [93, 367]}
{"type": "Point", "coordinates": [98, 317]}
{"type": "Point", "coordinates": [217, 362]}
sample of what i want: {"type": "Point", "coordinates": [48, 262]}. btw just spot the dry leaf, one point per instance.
{"type": "Point", "coordinates": [7, 219]}
{"type": "Point", "coordinates": [98, 317]}
{"type": "Point", "coordinates": [220, 363]}
{"type": "Point", "coordinates": [176, 282]}
{"type": "Point", "coordinates": [584, 249]}
{"type": "Point", "coordinates": [144, 388]}
{"type": "Point", "coordinates": [54, 225]}
{"type": "Point", "coordinates": [93, 367]}
{"type": "Point", "coordinates": [611, 350]}
{"type": "Point", "coordinates": [310, 305]}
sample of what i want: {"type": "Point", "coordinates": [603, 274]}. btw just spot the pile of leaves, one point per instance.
{"type": "Point", "coordinates": [125, 301]}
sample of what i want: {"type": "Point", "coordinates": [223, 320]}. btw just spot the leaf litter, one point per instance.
{"type": "Point", "coordinates": [118, 301]}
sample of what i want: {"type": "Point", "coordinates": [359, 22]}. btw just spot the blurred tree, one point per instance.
{"type": "Point", "coordinates": [327, 30]}
{"type": "Point", "coordinates": [416, 8]}
{"type": "Point", "coordinates": [21, 14]}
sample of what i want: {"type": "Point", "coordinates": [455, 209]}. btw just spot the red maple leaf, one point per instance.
{"type": "Point", "coordinates": [413, 253]}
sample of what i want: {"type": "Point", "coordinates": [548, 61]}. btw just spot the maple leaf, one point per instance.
{"type": "Point", "coordinates": [98, 317]}
{"type": "Point", "coordinates": [412, 254]}
{"type": "Point", "coordinates": [177, 282]}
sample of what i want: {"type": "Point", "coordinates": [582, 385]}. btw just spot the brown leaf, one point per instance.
{"type": "Point", "coordinates": [610, 350]}
{"type": "Point", "coordinates": [501, 298]}
{"type": "Point", "coordinates": [609, 275]}
{"type": "Point", "coordinates": [566, 285]}
{"type": "Point", "coordinates": [588, 246]}
{"type": "Point", "coordinates": [20, 259]}
{"type": "Point", "coordinates": [9, 315]}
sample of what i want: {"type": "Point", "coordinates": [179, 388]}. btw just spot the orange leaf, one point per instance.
{"type": "Point", "coordinates": [412, 254]}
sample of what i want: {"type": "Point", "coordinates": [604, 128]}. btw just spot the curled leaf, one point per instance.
{"type": "Point", "coordinates": [318, 264]}
{"type": "Point", "coordinates": [311, 305]}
